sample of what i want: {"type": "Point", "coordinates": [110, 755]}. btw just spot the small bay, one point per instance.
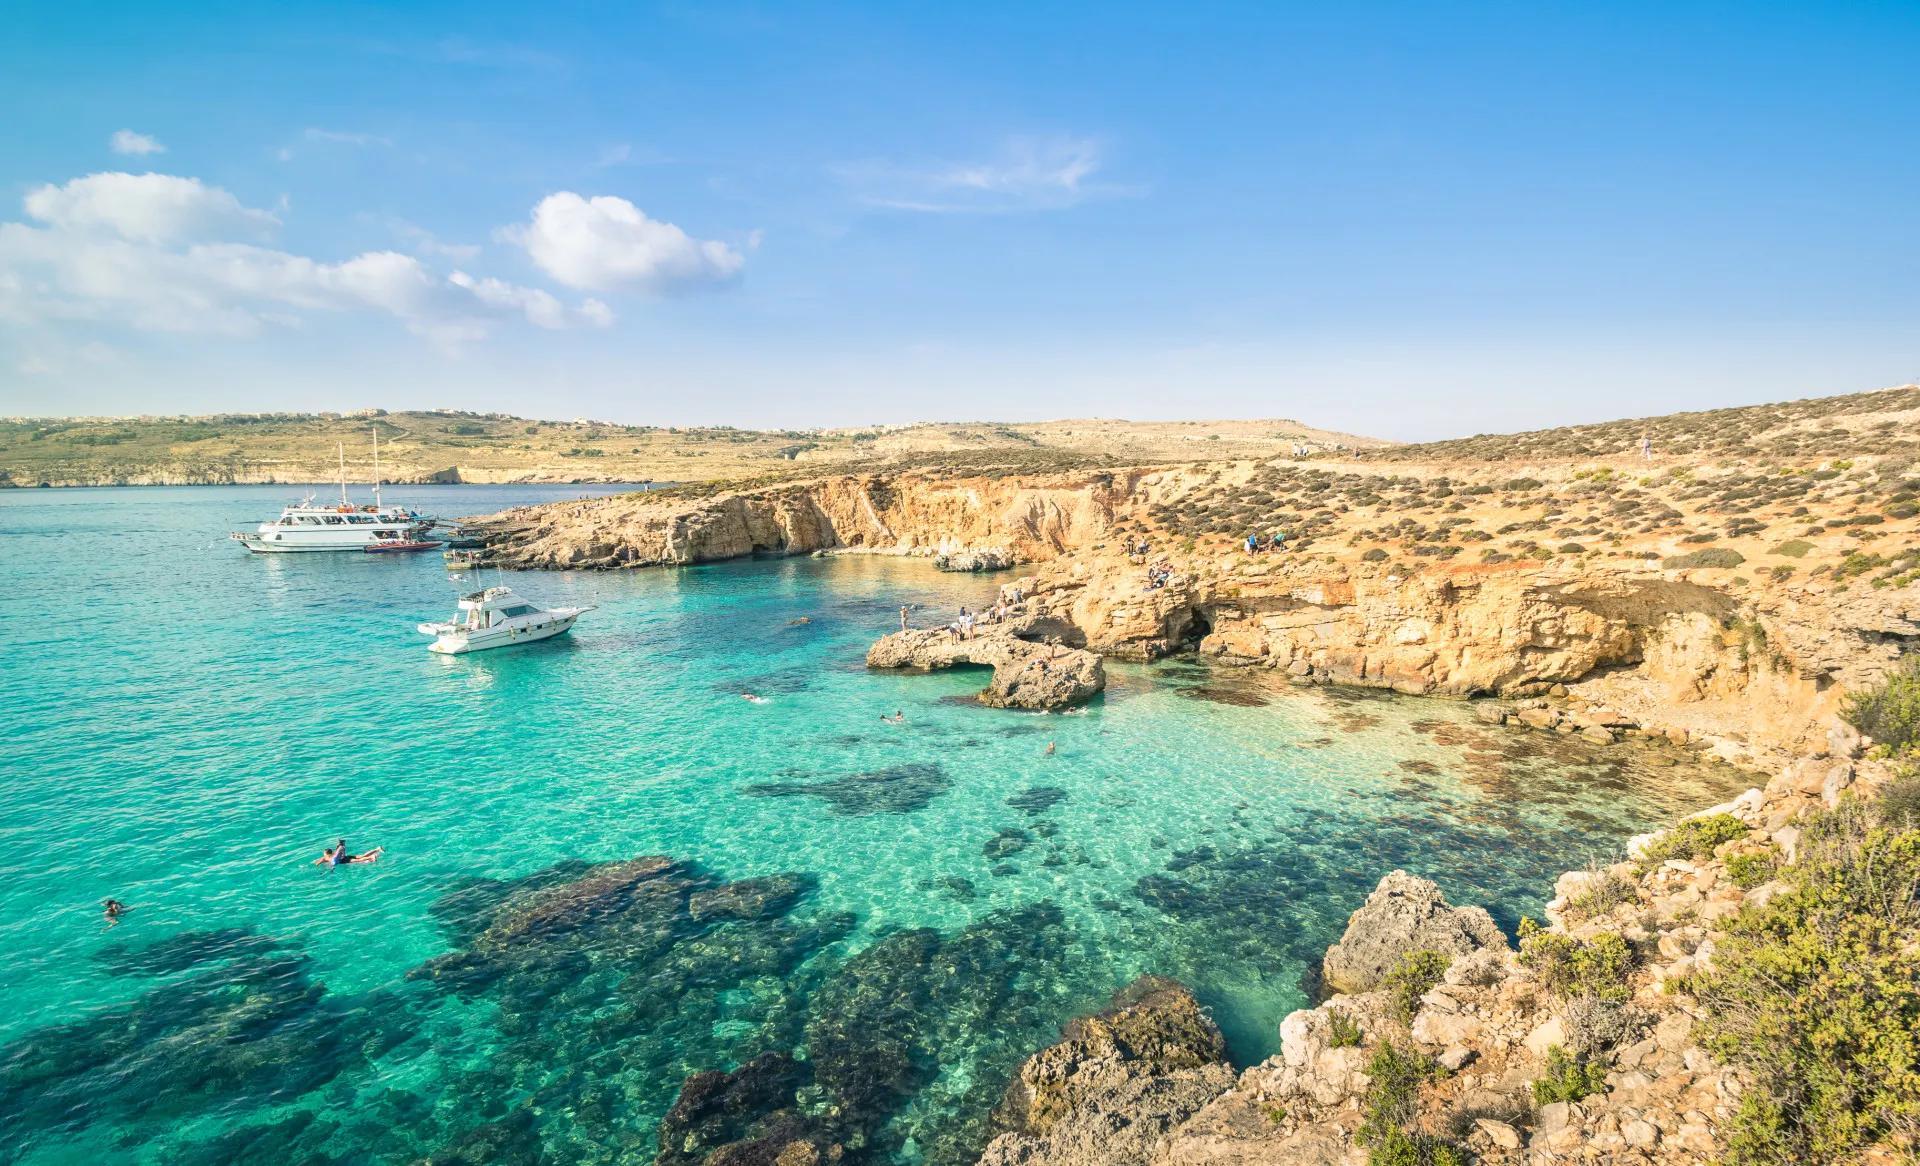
{"type": "Point", "coordinates": [189, 725]}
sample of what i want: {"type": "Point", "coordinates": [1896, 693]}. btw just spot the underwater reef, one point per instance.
{"type": "Point", "coordinates": [642, 1010]}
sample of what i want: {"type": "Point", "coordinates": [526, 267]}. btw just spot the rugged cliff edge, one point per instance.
{"type": "Point", "coordinates": [1747, 643]}
{"type": "Point", "coordinates": [1005, 519]}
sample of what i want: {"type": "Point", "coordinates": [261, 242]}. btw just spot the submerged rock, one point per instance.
{"type": "Point", "coordinates": [739, 1117]}
{"type": "Point", "coordinates": [897, 789]}
{"type": "Point", "coordinates": [761, 898]}
{"type": "Point", "coordinates": [1037, 800]}
{"type": "Point", "coordinates": [183, 950]}
{"type": "Point", "coordinates": [1404, 914]}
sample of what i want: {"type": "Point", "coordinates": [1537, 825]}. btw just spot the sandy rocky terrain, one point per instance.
{"type": "Point", "coordinates": [457, 446]}
{"type": "Point", "coordinates": [1719, 596]}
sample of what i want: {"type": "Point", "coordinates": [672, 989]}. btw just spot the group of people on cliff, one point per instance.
{"type": "Point", "coordinates": [1277, 541]}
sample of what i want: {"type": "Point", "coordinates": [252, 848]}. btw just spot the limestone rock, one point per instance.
{"type": "Point", "coordinates": [977, 559]}
{"type": "Point", "coordinates": [1404, 914]}
{"type": "Point", "coordinates": [1073, 677]}
{"type": "Point", "coordinates": [1025, 674]}
{"type": "Point", "coordinates": [1154, 1027]}
{"type": "Point", "coordinates": [1550, 1032]}
{"type": "Point", "coordinates": [1116, 1086]}
{"type": "Point", "coordinates": [1499, 1132]}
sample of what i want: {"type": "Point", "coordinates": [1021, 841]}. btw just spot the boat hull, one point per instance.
{"type": "Point", "coordinates": [462, 643]}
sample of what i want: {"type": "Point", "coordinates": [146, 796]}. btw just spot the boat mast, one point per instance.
{"type": "Point", "coordinates": [342, 447]}
{"type": "Point", "coordinates": [376, 467]}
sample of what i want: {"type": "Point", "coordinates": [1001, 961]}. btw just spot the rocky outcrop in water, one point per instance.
{"type": "Point", "coordinates": [982, 559]}
{"type": "Point", "coordinates": [1026, 674]}
{"type": "Point", "coordinates": [1403, 915]}
{"type": "Point", "coordinates": [1117, 1083]}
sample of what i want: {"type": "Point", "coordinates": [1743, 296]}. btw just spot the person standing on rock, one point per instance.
{"type": "Point", "coordinates": [903, 619]}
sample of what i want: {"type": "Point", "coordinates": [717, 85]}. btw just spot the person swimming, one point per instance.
{"type": "Point", "coordinates": [1049, 752]}
{"type": "Point", "coordinates": [114, 908]}
{"type": "Point", "coordinates": [337, 856]}
{"type": "Point", "coordinates": [755, 699]}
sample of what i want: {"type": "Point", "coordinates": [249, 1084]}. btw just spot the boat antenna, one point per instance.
{"type": "Point", "coordinates": [376, 467]}
{"type": "Point", "coordinates": [342, 448]}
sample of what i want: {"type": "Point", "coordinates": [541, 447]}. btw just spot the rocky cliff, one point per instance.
{"type": "Point", "coordinates": [1747, 642]}
{"type": "Point", "coordinates": [1002, 519]}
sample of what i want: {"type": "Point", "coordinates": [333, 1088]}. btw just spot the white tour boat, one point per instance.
{"type": "Point", "coordinates": [495, 618]}
{"type": "Point", "coordinates": [305, 526]}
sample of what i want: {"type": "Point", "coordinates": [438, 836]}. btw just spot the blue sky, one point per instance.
{"type": "Point", "coordinates": [1408, 220]}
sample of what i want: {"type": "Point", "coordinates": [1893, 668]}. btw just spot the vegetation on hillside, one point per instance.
{"type": "Point", "coordinates": [1855, 424]}
{"type": "Point", "coordinates": [1816, 996]}
{"type": "Point", "coordinates": [448, 445]}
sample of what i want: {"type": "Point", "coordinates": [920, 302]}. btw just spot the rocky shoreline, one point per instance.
{"type": "Point", "coordinates": [1486, 1025]}
{"type": "Point", "coordinates": [1629, 636]}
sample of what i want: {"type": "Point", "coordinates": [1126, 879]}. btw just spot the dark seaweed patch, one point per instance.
{"type": "Point", "coordinates": [897, 789]}
{"type": "Point", "coordinates": [1037, 800]}
{"type": "Point", "coordinates": [1238, 697]}
{"type": "Point", "coordinates": [1008, 841]}
{"type": "Point", "coordinates": [183, 950]}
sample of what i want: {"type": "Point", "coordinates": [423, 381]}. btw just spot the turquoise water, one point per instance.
{"type": "Point", "coordinates": [189, 725]}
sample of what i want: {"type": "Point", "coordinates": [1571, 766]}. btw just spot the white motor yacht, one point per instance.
{"type": "Point", "coordinates": [304, 526]}
{"type": "Point", "coordinates": [342, 526]}
{"type": "Point", "coordinates": [497, 618]}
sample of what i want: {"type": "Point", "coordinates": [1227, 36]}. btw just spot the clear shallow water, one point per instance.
{"type": "Point", "coordinates": [188, 726]}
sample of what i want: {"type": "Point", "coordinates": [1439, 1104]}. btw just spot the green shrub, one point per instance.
{"type": "Point", "coordinates": [1794, 548]}
{"type": "Point", "coordinates": [1720, 557]}
{"type": "Point", "coordinates": [1400, 1148]}
{"type": "Point", "coordinates": [1414, 977]}
{"type": "Point", "coordinates": [1605, 891]}
{"type": "Point", "coordinates": [1750, 868]}
{"type": "Point", "coordinates": [1394, 1078]}
{"type": "Point", "coordinates": [1344, 1030]}
{"type": "Point", "coordinates": [1817, 998]}
{"type": "Point", "coordinates": [1567, 1079]}
{"type": "Point", "coordinates": [1693, 837]}
{"type": "Point", "coordinates": [1569, 967]}
{"type": "Point", "coordinates": [1889, 712]}
{"type": "Point", "coordinates": [1899, 805]}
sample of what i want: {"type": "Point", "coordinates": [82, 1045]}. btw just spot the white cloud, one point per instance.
{"type": "Point", "coordinates": [154, 252]}
{"type": "Point", "coordinates": [128, 142]}
{"type": "Point", "coordinates": [608, 244]}
{"type": "Point", "coordinates": [540, 306]}
{"type": "Point", "coordinates": [151, 208]}
{"type": "Point", "coordinates": [1029, 174]}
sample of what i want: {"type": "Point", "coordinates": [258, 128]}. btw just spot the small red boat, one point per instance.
{"type": "Point", "coordinates": [399, 544]}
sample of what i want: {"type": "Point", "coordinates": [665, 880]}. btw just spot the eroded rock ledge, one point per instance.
{"type": "Point", "coordinates": [1026, 674]}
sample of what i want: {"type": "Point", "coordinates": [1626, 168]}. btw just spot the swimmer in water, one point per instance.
{"type": "Point", "coordinates": [755, 699]}
{"type": "Point", "coordinates": [1049, 752]}
{"type": "Point", "coordinates": [337, 856]}
{"type": "Point", "coordinates": [114, 909]}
